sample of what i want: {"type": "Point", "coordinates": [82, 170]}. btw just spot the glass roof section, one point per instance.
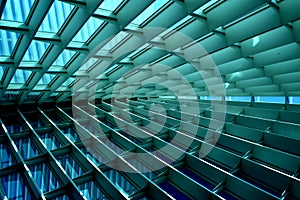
{"type": "Point", "coordinates": [155, 6]}
{"type": "Point", "coordinates": [46, 79]}
{"type": "Point", "coordinates": [59, 55]}
{"type": "Point", "coordinates": [88, 29]}
{"type": "Point", "coordinates": [64, 57]}
{"type": "Point", "coordinates": [12, 11]}
{"type": "Point", "coordinates": [2, 70]}
{"type": "Point", "coordinates": [56, 16]}
{"type": "Point", "coordinates": [110, 5]}
{"type": "Point", "coordinates": [20, 76]}
{"type": "Point", "coordinates": [35, 51]}
{"type": "Point", "coordinates": [8, 40]}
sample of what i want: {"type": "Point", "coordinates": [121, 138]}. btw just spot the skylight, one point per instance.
{"type": "Point", "coordinates": [156, 5]}
{"type": "Point", "coordinates": [88, 29]}
{"type": "Point", "coordinates": [64, 57]}
{"type": "Point", "coordinates": [21, 76]}
{"type": "Point", "coordinates": [270, 99]}
{"type": "Point", "coordinates": [46, 79]}
{"type": "Point", "coordinates": [35, 51]}
{"type": "Point", "coordinates": [7, 42]}
{"type": "Point", "coordinates": [12, 11]}
{"type": "Point", "coordinates": [56, 16]}
{"type": "Point", "coordinates": [110, 5]}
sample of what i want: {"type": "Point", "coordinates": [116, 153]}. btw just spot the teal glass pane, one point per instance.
{"type": "Point", "coordinates": [110, 5]}
{"type": "Point", "coordinates": [294, 100]}
{"type": "Point", "coordinates": [7, 42]}
{"type": "Point", "coordinates": [71, 167]}
{"type": "Point", "coordinates": [121, 183]}
{"type": "Point", "coordinates": [2, 70]}
{"type": "Point", "coordinates": [91, 191]}
{"type": "Point", "coordinates": [56, 16]}
{"type": "Point", "coordinates": [27, 148]}
{"type": "Point", "coordinates": [270, 99]}
{"type": "Point", "coordinates": [14, 187]}
{"type": "Point", "coordinates": [35, 51]}
{"type": "Point", "coordinates": [64, 57]}
{"type": "Point", "coordinates": [44, 178]}
{"type": "Point", "coordinates": [155, 6]}
{"type": "Point", "coordinates": [239, 98]}
{"type": "Point", "coordinates": [20, 76]}
{"type": "Point", "coordinates": [46, 79]}
{"type": "Point", "coordinates": [50, 141]}
{"type": "Point", "coordinates": [114, 41]}
{"type": "Point", "coordinates": [12, 11]}
{"type": "Point", "coordinates": [71, 134]}
{"type": "Point", "coordinates": [88, 29]}
{"type": "Point", "coordinates": [68, 82]}
{"type": "Point", "coordinates": [6, 159]}
{"type": "Point", "coordinates": [94, 156]}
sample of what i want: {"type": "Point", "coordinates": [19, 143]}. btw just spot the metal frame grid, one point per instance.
{"type": "Point", "coordinates": [255, 44]}
{"type": "Point", "coordinates": [43, 152]}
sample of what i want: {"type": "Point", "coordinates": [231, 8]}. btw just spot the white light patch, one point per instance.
{"type": "Point", "coordinates": [227, 85]}
{"type": "Point", "coordinates": [256, 40]}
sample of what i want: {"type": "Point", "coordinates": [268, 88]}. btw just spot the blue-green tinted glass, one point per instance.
{"type": "Point", "coordinates": [87, 30]}
{"type": "Point", "coordinates": [6, 159]}
{"type": "Point", "coordinates": [20, 76]}
{"type": "Point", "coordinates": [44, 177]}
{"type": "Point", "coordinates": [35, 51]}
{"type": "Point", "coordinates": [50, 141]}
{"type": "Point", "coordinates": [12, 11]}
{"type": "Point", "coordinates": [26, 148]}
{"type": "Point", "coordinates": [68, 81]}
{"type": "Point", "coordinates": [156, 5]}
{"type": "Point", "coordinates": [71, 167]}
{"type": "Point", "coordinates": [46, 79]}
{"type": "Point", "coordinates": [91, 191]}
{"type": "Point", "coordinates": [238, 98]}
{"type": "Point", "coordinates": [7, 42]}
{"type": "Point", "coordinates": [269, 99]}
{"type": "Point", "coordinates": [110, 5]}
{"type": "Point", "coordinates": [294, 100]}
{"type": "Point", "coordinates": [56, 16]}
{"type": "Point", "coordinates": [120, 182]}
{"type": "Point", "coordinates": [64, 57]}
{"type": "Point", "coordinates": [2, 70]}
{"type": "Point", "coordinates": [14, 187]}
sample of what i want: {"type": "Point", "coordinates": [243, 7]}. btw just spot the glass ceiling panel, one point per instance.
{"type": "Point", "coordinates": [270, 99]}
{"type": "Point", "coordinates": [64, 57]}
{"type": "Point", "coordinates": [56, 16]}
{"type": "Point", "coordinates": [155, 6]}
{"type": "Point", "coordinates": [68, 81]}
{"type": "Point", "coordinates": [20, 76]}
{"type": "Point", "coordinates": [12, 11]}
{"type": "Point", "coordinates": [35, 51]}
{"type": "Point", "coordinates": [46, 79]}
{"type": "Point", "coordinates": [2, 70]}
{"type": "Point", "coordinates": [87, 30]}
{"type": "Point", "coordinates": [110, 5]}
{"type": "Point", "coordinates": [114, 41]}
{"type": "Point", "coordinates": [7, 42]}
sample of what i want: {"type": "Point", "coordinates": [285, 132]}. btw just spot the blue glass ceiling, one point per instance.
{"type": "Point", "coordinates": [35, 51]}
{"type": "Point", "coordinates": [56, 16]}
{"type": "Point", "coordinates": [7, 42]}
{"type": "Point", "coordinates": [88, 29]}
{"type": "Point", "coordinates": [44, 42]}
{"type": "Point", "coordinates": [12, 11]}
